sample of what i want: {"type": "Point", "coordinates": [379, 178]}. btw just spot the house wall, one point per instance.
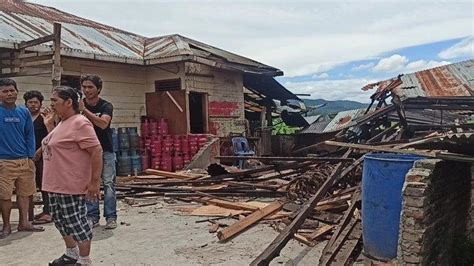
{"type": "Point", "coordinates": [225, 97]}
{"type": "Point", "coordinates": [435, 212]}
{"type": "Point", "coordinates": [123, 85]}
{"type": "Point", "coordinates": [41, 83]}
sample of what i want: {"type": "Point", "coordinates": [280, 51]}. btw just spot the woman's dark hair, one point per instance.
{"type": "Point", "coordinates": [96, 80]}
{"type": "Point", "coordinates": [33, 94]}
{"type": "Point", "coordinates": [66, 93]}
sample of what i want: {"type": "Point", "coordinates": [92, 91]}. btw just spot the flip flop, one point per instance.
{"type": "Point", "coordinates": [5, 234]}
{"type": "Point", "coordinates": [43, 220]}
{"type": "Point", "coordinates": [39, 216]}
{"type": "Point", "coordinates": [32, 229]}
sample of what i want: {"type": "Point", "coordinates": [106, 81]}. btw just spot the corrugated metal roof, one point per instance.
{"type": "Point", "coordinates": [315, 128]}
{"type": "Point", "coordinates": [312, 119]}
{"type": "Point", "coordinates": [450, 80]}
{"type": "Point", "coordinates": [20, 21]}
{"type": "Point", "coordinates": [341, 121]}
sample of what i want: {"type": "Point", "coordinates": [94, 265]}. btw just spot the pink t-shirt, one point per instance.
{"type": "Point", "coordinates": [67, 165]}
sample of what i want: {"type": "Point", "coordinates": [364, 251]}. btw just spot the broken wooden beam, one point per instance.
{"type": "Point", "coordinates": [248, 221]}
{"type": "Point", "coordinates": [280, 241]}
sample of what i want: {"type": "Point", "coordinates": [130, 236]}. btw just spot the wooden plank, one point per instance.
{"type": "Point", "coordinates": [37, 63]}
{"type": "Point", "coordinates": [378, 148]}
{"type": "Point", "coordinates": [345, 219]}
{"type": "Point", "coordinates": [34, 42]}
{"type": "Point", "coordinates": [297, 159]}
{"type": "Point", "coordinates": [170, 174]}
{"type": "Point", "coordinates": [248, 221]}
{"type": "Point", "coordinates": [329, 254]}
{"type": "Point", "coordinates": [320, 232]}
{"type": "Point", "coordinates": [432, 154]}
{"type": "Point", "coordinates": [57, 69]}
{"type": "Point", "coordinates": [348, 246]}
{"type": "Point", "coordinates": [280, 241]}
{"type": "Point", "coordinates": [35, 54]}
{"type": "Point", "coordinates": [26, 72]}
{"type": "Point", "coordinates": [232, 205]}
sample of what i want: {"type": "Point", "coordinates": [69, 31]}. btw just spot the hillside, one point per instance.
{"type": "Point", "coordinates": [332, 107]}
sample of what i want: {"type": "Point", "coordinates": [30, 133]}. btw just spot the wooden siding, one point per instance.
{"type": "Point", "coordinates": [225, 97]}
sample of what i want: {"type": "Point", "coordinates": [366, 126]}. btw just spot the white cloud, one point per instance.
{"type": "Point", "coordinates": [344, 89]}
{"type": "Point", "coordinates": [363, 67]}
{"type": "Point", "coordinates": [393, 63]}
{"type": "Point", "coordinates": [422, 65]}
{"type": "Point", "coordinates": [320, 76]}
{"type": "Point", "coordinates": [401, 64]}
{"type": "Point", "coordinates": [460, 49]}
{"type": "Point", "coordinates": [299, 37]}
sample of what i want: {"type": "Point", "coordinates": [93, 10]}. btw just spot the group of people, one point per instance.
{"type": "Point", "coordinates": [67, 149]}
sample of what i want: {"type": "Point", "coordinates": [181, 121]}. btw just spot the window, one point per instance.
{"type": "Point", "coordinates": [168, 85]}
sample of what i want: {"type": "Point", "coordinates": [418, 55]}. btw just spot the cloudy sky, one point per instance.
{"type": "Point", "coordinates": [328, 49]}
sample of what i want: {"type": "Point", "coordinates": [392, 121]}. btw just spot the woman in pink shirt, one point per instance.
{"type": "Point", "coordinates": [72, 158]}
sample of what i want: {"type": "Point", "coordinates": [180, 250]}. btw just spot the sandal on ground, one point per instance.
{"type": "Point", "coordinates": [4, 234]}
{"type": "Point", "coordinates": [63, 260]}
{"type": "Point", "coordinates": [46, 218]}
{"type": "Point", "coordinates": [31, 229]}
{"type": "Point", "coordinates": [39, 216]}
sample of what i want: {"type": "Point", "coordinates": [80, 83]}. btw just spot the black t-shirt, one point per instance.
{"type": "Point", "coordinates": [103, 107]}
{"type": "Point", "coordinates": [40, 130]}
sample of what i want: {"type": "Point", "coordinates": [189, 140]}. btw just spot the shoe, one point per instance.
{"type": "Point", "coordinates": [111, 224]}
{"type": "Point", "coordinates": [93, 223]}
{"type": "Point", "coordinates": [62, 261]}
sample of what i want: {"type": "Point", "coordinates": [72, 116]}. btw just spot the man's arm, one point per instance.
{"type": "Point", "coordinates": [93, 189]}
{"type": "Point", "coordinates": [101, 122]}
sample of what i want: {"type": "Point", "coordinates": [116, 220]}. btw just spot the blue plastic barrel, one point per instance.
{"type": "Point", "coordinates": [115, 141]}
{"type": "Point", "coordinates": [134, 139]}
{"type": "Point", "coordinates": [136, 166]}
{"type": "Point", "coordinates": [382, 180]}
{"type": "Point", "coordinates": [124, 163]}
{"type": "Point", "coordinates": [123, 139]}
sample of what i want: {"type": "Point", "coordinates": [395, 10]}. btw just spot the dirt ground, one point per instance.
{"type": "Point", "coordinates": [155, 235]}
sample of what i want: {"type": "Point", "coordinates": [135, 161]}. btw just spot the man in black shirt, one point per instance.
{"type": "Point", "coordinates": [34, 101]}
{"type": "Point", "coordinates": [99, 112]}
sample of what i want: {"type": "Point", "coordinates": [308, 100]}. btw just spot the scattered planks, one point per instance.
{"type": "Point", "coordinates": [280, 241]}
{"type": "Point", "coordinates": [248, 221]}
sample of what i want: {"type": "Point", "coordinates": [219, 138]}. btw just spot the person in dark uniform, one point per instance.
{"type": "Point", "coordinates": [99, 112]}
{"type": "Point", "coordinates": [34, 102]}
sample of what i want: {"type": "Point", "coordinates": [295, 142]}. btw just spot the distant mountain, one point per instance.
{"type": "Point", "coordinates": [332, 107]}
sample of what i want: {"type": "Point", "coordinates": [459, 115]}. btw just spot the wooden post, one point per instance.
{"type": "Point", "coordinates": [56, 71]}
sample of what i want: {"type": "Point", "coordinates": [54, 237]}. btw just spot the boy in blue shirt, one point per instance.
{"type": "Point", "coordinates": [17, 148]}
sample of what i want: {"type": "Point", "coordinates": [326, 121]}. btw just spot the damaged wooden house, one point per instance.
{"type": "Point", "coordinates": [195, 87]}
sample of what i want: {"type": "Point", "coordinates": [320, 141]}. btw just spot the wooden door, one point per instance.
{"type": "Point", "coordinates": [171, 105]}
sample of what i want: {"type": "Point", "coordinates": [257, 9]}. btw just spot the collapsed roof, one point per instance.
{"type": "Point", "coordinates": [449, 80]}
{"type": "Point", "coordinates": [82, 38]}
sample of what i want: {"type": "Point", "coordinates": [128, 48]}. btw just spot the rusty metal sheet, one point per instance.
{"type": "Point", "coordinates": [22, 21]}
{"type": "Point", "coordinates": [343, 120]}
{"type": "Point", "coordinates": [450, 80]}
